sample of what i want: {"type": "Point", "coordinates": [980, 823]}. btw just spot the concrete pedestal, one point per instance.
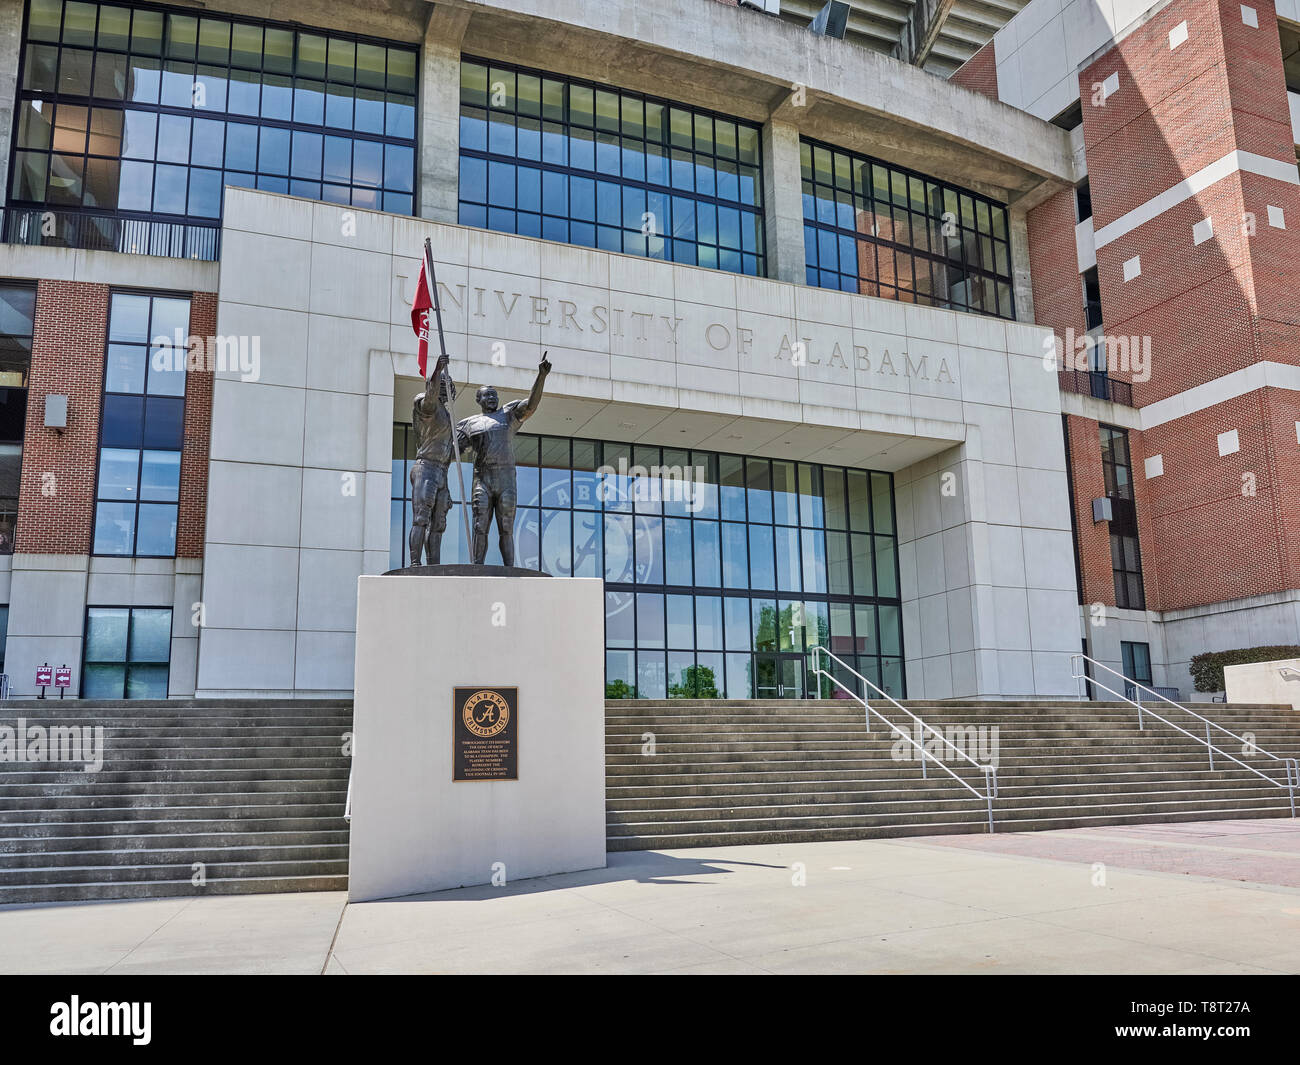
{"type": "Point", "coordinates": [1264, 682]}
{"type": "Point", "coordinates": [413, 828]}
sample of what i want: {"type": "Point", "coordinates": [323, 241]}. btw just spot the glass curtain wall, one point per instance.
{"type": "Point", "coordinates": [571, 161]}
{"type": "Point", "coordinates": [884, 231]}
{"type": "Point", "coordinates": [130, 119]}
{"type": "Point", "coordinates": [721, 572]}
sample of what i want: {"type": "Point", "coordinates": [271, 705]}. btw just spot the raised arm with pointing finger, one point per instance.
{"type": "Point", "coordinates": [492, 436]}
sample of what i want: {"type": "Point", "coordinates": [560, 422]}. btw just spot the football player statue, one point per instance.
{"type": "Point", "coordinates": [430, 499]}
{"type": "Point", "coordinates": [492, 436]}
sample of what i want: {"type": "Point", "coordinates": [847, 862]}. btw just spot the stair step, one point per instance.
{"type": "Point", "coordinates": [164, 856]}
{"type": "Point", "coordinates": [163, 841]}
{"type": "Point", "coordinates": [786, 771]}
{"type": "Point", "coordinates": [685, 840]}
{"type": "Point", "coordinates": [161, 889]}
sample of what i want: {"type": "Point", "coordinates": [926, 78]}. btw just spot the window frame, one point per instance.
{"type": "Point", "coordinates": [292, 125]}
{"type": "Point", "coordinates": [126, 662]}
{"type": "Point", "coordinates": [1128, 661]}
{"type": "Point", "coordinates": [1123, 525]}
{"type": "Point", "coordinates": [668, 191]}
{"type": "Point", "coordinates": [781, 598]}
{"type": "Point", "coordinates": [34, 288]}
{"type": "Point", "coordinates": [914, 251]}
{"type": "Point", "coordinates": [144, 397]}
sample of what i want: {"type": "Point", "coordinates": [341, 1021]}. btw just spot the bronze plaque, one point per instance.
{"type": "Point", "coordinates": [485, 734]}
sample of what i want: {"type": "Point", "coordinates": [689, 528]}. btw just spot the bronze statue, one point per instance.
{"type": "Point", "coordinates": [430, 498]}
{"type": "Point", "coordinates": [492, 436]}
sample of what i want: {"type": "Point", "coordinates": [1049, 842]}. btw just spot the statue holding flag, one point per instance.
{"type": "Point", "coordinates": [436, 442]}
{"type": "Point", "coordinates": [491, 434]}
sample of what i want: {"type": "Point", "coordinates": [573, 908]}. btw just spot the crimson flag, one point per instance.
{"type": "Point", "coordinates": [420, 309]}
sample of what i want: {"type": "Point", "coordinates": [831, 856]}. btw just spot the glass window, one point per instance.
{"type": "Point", "coordinates": [127, 653]}
{"type": "Point", "coordinates": [141, 426]}
{"type": "Point", "coordinates": [760, 558]}
{"type": "Point", "coordinates": [1136, 661]}
{"type": "Point", "coordinates": [175, 95]}
{"type": "Point", "coordinates": [17, 324]}
{"type": "Point", "coordinates": [674, 183]}
{"type": "Point", "coordinates": [1126, 558]}
{"type": "Point", "coordinates": [902, 236]}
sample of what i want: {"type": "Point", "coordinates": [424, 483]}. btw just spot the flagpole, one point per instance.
{"type": "Point", "coordinates": [451, 391]}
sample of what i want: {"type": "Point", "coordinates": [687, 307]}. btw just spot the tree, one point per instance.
{"type": "Point", "coordinates": [698, 682]}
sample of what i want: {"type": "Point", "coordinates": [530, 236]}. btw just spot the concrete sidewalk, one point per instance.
{"type": "Point", "coordinates": [1213, 897]}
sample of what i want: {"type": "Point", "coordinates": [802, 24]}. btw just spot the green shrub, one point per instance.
{"type": "Point", "coordinates": [1207, 667]}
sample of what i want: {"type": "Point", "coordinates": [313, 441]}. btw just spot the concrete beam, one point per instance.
{"type": "Point", "coordinates": [737, 62]}
{"type": "Point", "coordinates": [783, 202]}
{"type": "Point", "coordinates": [922, 29]}
{"type": "Point", "coordinates": [440, 114]}
{"type": "Point", "coordinates": [11, 28]}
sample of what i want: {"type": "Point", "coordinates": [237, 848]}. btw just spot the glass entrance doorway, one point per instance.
{"type": "Point", "coordinates": [778, 676]}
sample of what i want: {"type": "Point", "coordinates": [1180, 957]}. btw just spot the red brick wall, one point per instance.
{"type": "Point", "coordinates": [1054, 265]}
{"type": "Point", "coordinates": [1280, 415]}
{"type": "Point", "coordinates": [979, 73]}
{"type": "Point", "coordinates": [1170, 116]}
{"type": "Point", "coordinates": [1210, 541]}
{"type": "Point", "coordinates": [1092, 540]}
{"type": "Point", "coordinates": [1208, 309]}
{"type": "Point", "coordinates": [68, 358]}
{"type": "Point", "coordinates": [198, 425]}
{"type": "Point", "coordinates": [56, 502]}
{"type": "Point", "coordinates": [1211, 308]}
{"type": "Point", "coordinates": [1274, 267]}
{"type": "Point", "coordinates": [1152, 568]}
{"type": "Point", "coordinates": [1193, 301]}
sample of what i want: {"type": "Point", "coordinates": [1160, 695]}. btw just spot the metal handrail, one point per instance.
{"type": "Point", "coordinates": [347, 805]}
{"type": "Point", "coordinates": [1290, 766]}
{"type": "Point", "coordinates": [990, 772]}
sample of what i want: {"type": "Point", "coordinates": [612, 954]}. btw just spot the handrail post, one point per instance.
{"type": "Point", "coordinates": [1290, 765]}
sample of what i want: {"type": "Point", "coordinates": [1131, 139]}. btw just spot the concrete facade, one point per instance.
{"type": "Point", "coordinates": [990, 602]}
{"type": "Point", "coordinates": [691, 357]}
{"type": "Point", "coordinates": [414, 828]}
{"type": "Point", "coordinates": [1272, 682]}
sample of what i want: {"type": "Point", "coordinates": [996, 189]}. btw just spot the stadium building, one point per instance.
{"type": "Point", "coordinates": [954, 376]}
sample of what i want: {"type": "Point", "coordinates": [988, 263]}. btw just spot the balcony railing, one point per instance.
{"type": "Point", "coordinates": [1098, 384]}
{"type": "Point", "coordinates": [94, 231]}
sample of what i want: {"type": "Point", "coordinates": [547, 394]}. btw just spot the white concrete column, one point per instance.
{"type": "Point", "coordinates": [1021, 277]}
{"type": "Point", "coordinates": [47, 618]}
{"type": "Point", "coordinates": [440, 114]}
{"type": "Point", "coordinates": [782, 202]}
{"type": "Point", "coordinates": [11, 27]}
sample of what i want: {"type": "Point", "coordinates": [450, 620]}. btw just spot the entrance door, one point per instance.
{"type": "Point", "coordinates": [778, 676]}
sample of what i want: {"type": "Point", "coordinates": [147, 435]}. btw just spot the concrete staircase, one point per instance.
{"type": "Point", "coordinates": [775, 772]}
{"type": "Point", "coordinates": [253, 790]}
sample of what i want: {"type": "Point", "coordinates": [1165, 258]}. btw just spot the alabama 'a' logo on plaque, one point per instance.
{"type": "Point", "coordinates": [485, 731]}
